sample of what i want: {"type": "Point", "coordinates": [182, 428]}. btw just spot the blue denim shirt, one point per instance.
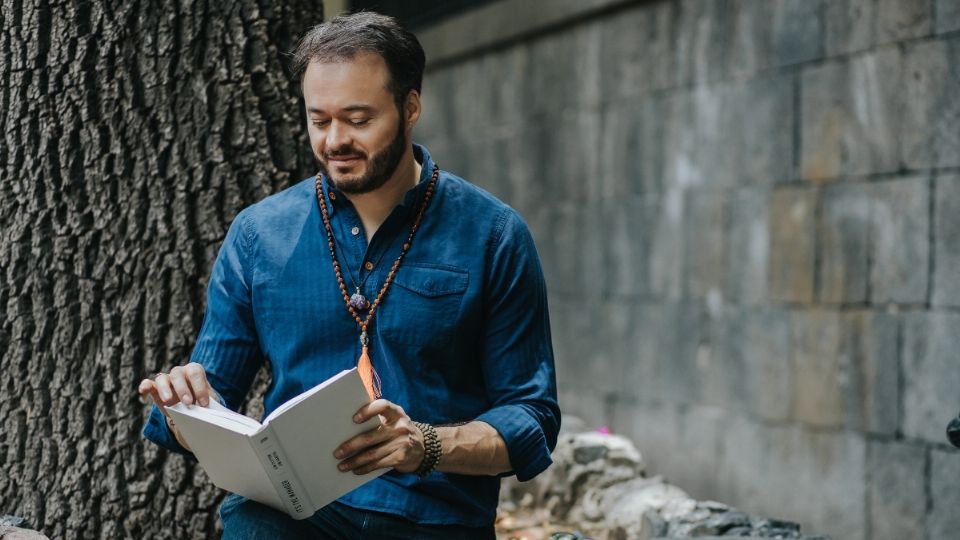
{"type": "Point", "coordinates": [463, 333]}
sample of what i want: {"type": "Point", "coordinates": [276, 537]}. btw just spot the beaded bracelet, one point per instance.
{"type": "Point", "coordinates": [431, 443]}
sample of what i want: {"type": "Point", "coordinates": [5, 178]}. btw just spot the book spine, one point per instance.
{"type": "Point", "coordinates": [280, 471]}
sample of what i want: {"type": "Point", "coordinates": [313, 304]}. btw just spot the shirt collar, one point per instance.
{"type": "Point", "coordinates": [334, 197]}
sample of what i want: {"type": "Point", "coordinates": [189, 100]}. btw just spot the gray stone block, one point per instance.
{"type": "Point", "coordinates": [796, 32]}
{"type": "Point", "coordinates": [900, 238]}
{"type": "Point", "coordinates": [851, 111]}
{"type": "Point", "coordinates": [791, 219]}
{"type": "Point", "coordinates": [631, 148]}
{"type": "Point", "coordinates": [897, 489]}
{"type": "Point", "coordinates": [547, 90]}
{"type": "Point", "coordinates": [663, 352]}
{"type": "Point", "coordinates": [705, 244]}
{"type": "Point", "coordinates": [943, 521]}
{"type": "Point", "coordinates": [856, 25]}
{"type": "Point", "coordinates": [521, 180]}
{"type": "Point", "coordinates": [812, 477]}
{"type": "Point", "coordinates": [748, 246]}
{"type": "Point", "coordinates": [730, 134]}
{"type": "Point", "coordinates": [948, 15]}
{"type": "Point", "coordinates": [930, 375]}
{"type": "Point", "coordinates": [585, 89]}
{"type": "Point", "coordinates": [748, 41]}
{"type": "Point", "coordinates": [763, 125]}
{"type": "Point", "coordinates": [576, 341]}
{"type": "Point", "coordinates": [850, 26]}
{"type": "Point", "coordinates": [681, 377]}
{"type": "Point", "coordinates": [635, 52]}
{"type": "Point", "coordinates": [682, 139]}
{"type": "Point", "coordinates": [720, 360]}
{"type": "Point", "coordinates": [468, 102]}
{"type": "Point", "coordinates": [930, 130]}
{"type": "Point", "coordinates": [946, 233]}
{"type": "Point", "coordinates": [666, 249]}
{"type": "Point", "coordinates": [766, 356]}
{"type": "Point", "coordinates": [899, 20]}
{"type": "Point", "coordinates": [666, 341]}
{"type": "Point", "coordinates": [699, 37]}
{"type": "Point", "coordinates": [503, 85]}
{"type": "Point", "coordinates": [845, 370]}
{"type": "Point", "coordinates": [629, 222]}
{"type": "Point", "coordinates": [564, 70]}
{"type": "Point", "coordinates": [571, 148]}
{"type": "Point", "coordinates": [558, 247]}
{"type": "Point", "coordinates": [844, 236]}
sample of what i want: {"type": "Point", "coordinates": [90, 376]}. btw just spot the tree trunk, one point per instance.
{"type": "Point", "coordinates": [132, 135]}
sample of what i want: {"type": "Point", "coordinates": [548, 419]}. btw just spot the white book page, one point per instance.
{"type": "Point", "coordinates": [219, 415]}
{"type": "Point", "coordinates": [225, 452]}
{"type": "Point", "coordinates": [303, 395]}
{"type": "Point", "coordinates": [315, 426]}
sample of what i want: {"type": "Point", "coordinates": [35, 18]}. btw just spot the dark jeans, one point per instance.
{"type": "Point", "coordinates": [246, 519]}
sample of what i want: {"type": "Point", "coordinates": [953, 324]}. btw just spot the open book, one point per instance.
{"type": "Point", "coordinates": [287, 461]}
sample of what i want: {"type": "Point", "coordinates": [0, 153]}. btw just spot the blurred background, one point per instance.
{"type": "Point", "coordinates": [748, 213]}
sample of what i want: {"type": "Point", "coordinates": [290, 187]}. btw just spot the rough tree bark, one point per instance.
{"type": "Point", "coordinates": [132, 134]}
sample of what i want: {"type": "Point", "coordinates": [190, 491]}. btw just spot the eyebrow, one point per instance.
{"type": "Point", "coordinates": [348, 108]}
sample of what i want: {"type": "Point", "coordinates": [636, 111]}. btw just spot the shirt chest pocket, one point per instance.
{"type": "Point", "coordinates": [423, 305]}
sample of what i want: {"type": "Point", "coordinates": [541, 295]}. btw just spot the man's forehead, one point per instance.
{"type": "Point", "coordinates": [356, 82]}
{"type": "Point", "coordinates": [361, 65]}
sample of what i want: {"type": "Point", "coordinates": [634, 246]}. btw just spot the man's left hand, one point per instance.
{"type": "Point", "coordinates": [396, 443]}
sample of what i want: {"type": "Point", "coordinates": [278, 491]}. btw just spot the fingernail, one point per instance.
{"type": "Point", "coordinates": [187, 399]}
{"type": "Point", "coordinates": [204, 402]}
{"type": "Point", "coordinates": [164, 395]}
{"type": "Point", "coordinates": [338, 454]}
{"type": "Point", "coordinates": [356, 418]}
{"type": "Point", "coordinates": [342, 466]}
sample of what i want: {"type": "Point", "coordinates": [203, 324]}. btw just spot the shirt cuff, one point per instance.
{"type": "Point", "coordinates": [523, 434]}
{"type": "Point", "coordinates": [156, 430]}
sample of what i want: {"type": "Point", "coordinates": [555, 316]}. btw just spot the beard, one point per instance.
{"type": "Point", "coordinates": [380, 166]}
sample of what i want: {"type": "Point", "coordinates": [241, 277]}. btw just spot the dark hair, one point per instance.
{"type": "Point", "coordinates": [344, 36]}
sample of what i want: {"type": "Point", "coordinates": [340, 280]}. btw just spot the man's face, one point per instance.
{"type": "Point", "coordinates": [356, 131]}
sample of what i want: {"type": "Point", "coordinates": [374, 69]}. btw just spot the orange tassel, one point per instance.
{"type": "Point", "coordinates": [371, 381]}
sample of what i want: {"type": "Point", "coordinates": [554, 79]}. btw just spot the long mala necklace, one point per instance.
{"type": "Point", "coordinates": [357, 303]}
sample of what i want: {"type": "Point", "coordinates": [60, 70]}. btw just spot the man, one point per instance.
{"type": "Point", "coordinates": [387, 259]}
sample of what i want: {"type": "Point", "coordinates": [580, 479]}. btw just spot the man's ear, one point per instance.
{"type": "Point", "coordinates": [412, 109]}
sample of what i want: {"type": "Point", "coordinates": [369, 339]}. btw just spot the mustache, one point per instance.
{"type": "Point", "coordinates": [347, 151]}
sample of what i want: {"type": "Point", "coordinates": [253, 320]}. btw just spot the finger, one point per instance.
{"type": "Point", "coordinates": [148, 389]}
{"type": "Point", "coordinates": [145, 388]}
{"type": "Point", "coordinates": [364, 440]}
{"type": "Point", "coordinates": [390, 411]}
{"type": "Point", "coordinates": [180, 386]}
{"type": "Point", "coordinates": [368, 458]}
{"type": "Point", "coordinates": [197, 380]}
{"type": "Point", "coordinates": [165, 390]}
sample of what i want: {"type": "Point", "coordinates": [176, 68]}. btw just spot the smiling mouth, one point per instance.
{"type": "Point", "coordinates": [343, 160]}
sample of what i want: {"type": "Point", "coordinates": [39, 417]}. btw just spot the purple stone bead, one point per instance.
{"type": "Point", "coordinates": [359, 302]}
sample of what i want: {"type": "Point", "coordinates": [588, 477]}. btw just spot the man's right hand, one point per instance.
{"type": "Point", "coordinates": [187, 384]}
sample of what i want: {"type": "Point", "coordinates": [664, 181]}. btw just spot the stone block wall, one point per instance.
{"type": "Point", "coordinates": [749, 217]}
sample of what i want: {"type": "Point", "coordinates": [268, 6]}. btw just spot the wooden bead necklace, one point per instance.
{"type": "Point", "coordinates": [356, 303]}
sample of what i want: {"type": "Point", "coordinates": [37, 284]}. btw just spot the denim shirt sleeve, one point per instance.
{"type": "Point", "coordinates": [518, 357]}
{"type": "Point", "coordinates": [227, 346]}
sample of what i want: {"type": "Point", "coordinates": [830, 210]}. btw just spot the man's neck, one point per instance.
{"type": "Point", "coordinates": [374, 207]}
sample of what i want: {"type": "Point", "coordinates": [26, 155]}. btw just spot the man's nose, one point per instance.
{"type": "Point", "coordinates": [337, 136]}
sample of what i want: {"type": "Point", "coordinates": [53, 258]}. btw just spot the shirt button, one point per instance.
{"type": "Point", "coordinates": [368, 265]}
{"type": "Point", "coordinates": [355, 230]}
{"type": "Point", "coordinates": [333, 196]}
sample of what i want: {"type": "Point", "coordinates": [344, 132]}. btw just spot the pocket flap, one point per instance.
{"type": "Point", "coordinates": [432, 279]}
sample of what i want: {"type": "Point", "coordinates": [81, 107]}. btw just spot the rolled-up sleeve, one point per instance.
{"type": "Point", "coordinates": [227, 346]}
{"type": "Point", "coordinates": [518, 363]}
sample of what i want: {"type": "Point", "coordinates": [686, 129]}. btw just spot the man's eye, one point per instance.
{"type": "Point", "coordinates": [360, 121]}
{"type": "Point", "coordinates": [321, 123]}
